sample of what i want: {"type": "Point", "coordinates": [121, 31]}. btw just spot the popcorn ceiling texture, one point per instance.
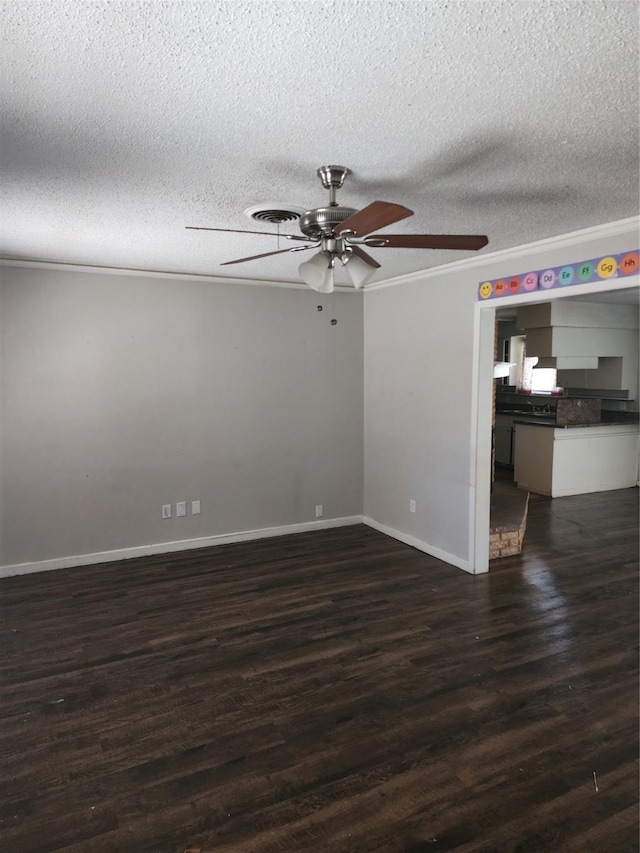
{"type": "Point", "coordinates": [124, 122]}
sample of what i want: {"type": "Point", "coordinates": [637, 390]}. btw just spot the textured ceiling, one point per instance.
{"type": "Point", "coordinates": [122, 122]}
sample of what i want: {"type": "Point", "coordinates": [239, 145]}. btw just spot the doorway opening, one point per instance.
{"type": "Point", "coordinates": [483, 408]}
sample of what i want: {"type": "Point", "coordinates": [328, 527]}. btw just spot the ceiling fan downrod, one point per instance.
{"type": "Point", "coordinates": [332, 178]}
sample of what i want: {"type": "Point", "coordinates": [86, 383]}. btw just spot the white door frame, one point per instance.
{"type": "Point", "coordinates": [482, 402]}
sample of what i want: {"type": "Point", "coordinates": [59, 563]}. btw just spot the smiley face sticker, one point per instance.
{"type": "Point", "coordinates": [485, 289]}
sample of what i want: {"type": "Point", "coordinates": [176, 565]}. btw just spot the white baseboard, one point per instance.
{"type": "Point", "coordinates": [458, 562]}
{"type": "Point", "coordinates": [170, 547]}
{"type": "Point", "coordinates": [588, 490]}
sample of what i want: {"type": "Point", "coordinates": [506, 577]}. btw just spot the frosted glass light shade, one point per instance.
{"type": "Point", "coordinates": [318, 273]}
{"type": "Point", "coordinates": [359, 271]}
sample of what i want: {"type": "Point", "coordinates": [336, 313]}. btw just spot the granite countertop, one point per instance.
{"type": "Point", "coordinates": [550, 418]}
{"type": "Point", "coordinates": [550, 422]}
{"type": "Point", "coordinates": [534, 421]}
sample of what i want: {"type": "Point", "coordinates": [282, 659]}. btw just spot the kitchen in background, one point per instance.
{"type": "Point", "coordinates": [566, 405]}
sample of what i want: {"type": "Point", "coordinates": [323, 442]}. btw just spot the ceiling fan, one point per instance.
{"type": "Point", "coordinates": [341, 232]}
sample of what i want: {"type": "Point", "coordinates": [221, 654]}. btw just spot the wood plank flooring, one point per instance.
{"type": "Point", "coordinates": [332, 692]}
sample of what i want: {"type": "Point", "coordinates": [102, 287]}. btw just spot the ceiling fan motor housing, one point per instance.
{"type": "Point", "coordinates": [321, 221]}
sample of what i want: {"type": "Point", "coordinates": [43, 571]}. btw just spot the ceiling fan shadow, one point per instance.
{"type": "Point", "coordinates": [517, 195]}
{"type": "Point", "coordinates": [466, 160]}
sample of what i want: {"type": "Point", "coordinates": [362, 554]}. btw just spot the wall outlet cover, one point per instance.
{"type": "Point", "coordinates": [166, 510]}
{"type": "Point", "coordinates": [181, 508]}
{"type": "Point", "coordinates": [195, 507]}
{"type": "Point", "coordinates": [319, 510]}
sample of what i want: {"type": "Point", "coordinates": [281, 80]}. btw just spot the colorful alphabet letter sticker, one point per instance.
{"type": "Point", "coordinates": [629, 264]}
{"type": "Point", "coordinates": [607, 267]}
{"type": "Point", "coordinates": [585, 271]}
{"type": "Point", "coordinates": [565, 276]}
{"type": "Point", "coordinates": [547, 279]}
{"type": "Point", "coordinates": [578, 273]}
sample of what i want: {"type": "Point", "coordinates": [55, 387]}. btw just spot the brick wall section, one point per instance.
{"type": "Point", "coordinates": [506, 541]}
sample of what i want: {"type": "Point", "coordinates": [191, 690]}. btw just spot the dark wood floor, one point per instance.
{"type": "Point", "coordinates": [333, 691]}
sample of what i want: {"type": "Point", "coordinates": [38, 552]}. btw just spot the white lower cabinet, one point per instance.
{"type": "Point", "coordinates": [576, 460]}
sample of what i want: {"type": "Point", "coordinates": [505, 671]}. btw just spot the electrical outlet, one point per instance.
{"type": "Point", "coordinates": [412, 506]}
{"type": "Point", "coordinates": [181, 508]}
{"type": "Point", "coordinates": [318, 510]}
{"type": "Point", "coordinates": [195, 507]}
{"type": "Point", "coordinates": [166, 510]}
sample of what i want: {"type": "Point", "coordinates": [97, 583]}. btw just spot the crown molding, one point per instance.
{"type": "Point", "coordinates": [574, 238]}
{"type": "Point", "coordinates": [34, 263]}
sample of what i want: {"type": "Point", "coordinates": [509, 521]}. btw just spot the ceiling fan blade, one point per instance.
{"type": "Point", "coordinates": [378, 214]}
{"type": "Point", "coordinates": [263, 255]}
{"type": "Point", "coordinates": [364, 256]}
{"type": "Point", "coordinates": [430, 241]}
{"type": "Point", "coordinates": [238, 231]}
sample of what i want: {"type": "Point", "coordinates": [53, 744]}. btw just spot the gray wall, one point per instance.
{"type": "Point", "coordinates": [418, 356]}
{"type": "Point", "coordinates": [122, 393]}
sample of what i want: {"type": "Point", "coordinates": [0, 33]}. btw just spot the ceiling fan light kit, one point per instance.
{"type": "Point", "coordinates": [359, 271]}
{"type": "Point", "coordinates": [341, 232]}
{"type": "Point", "coordinates": [317, 273]}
